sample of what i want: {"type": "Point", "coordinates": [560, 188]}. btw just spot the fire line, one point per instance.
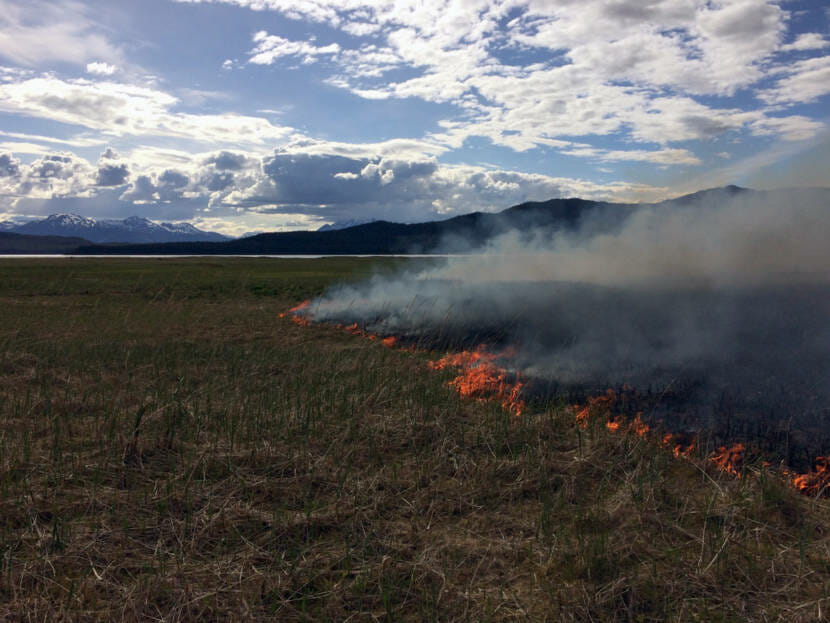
{"type": "Point", "coordinates": [479, 377]}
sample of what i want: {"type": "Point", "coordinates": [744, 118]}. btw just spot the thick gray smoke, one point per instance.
{"type": "Point", "coordinates": [726, 299]}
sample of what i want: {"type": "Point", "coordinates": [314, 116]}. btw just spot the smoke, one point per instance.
{"type": "Point", "coordinates": [722, 240]}
{"type": "Point", "coordinates": [724, 296]}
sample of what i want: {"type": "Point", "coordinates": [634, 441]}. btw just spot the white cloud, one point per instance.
{"type": "Point", "coordinates": [792, 128]}
{"type": "Point", "coordinates": [56, 174]}
{"type": "Point", "coordinates": [807, 41]}
{"type": "Point", "coordinates": [806, 81]}
{"type": "Point", "coordinates": [369, 61]}
{"type": "Point", "coordinates": [24, 148]}
{"type": "Point", "coordinates": [101, 69]}
{"type": "Point", "coordinates": [238, 188]}
{"type": "Point", "coordinates": [76, 141]}
{"type": "Point", "coordinates": [335, 187]}
{"type": "Point", "coordinates": [118, 109]}
{"type": "Point", "coordinates": [635, 71]}
{"type": "Point", "coordinates": [613, 67]}
{"type": "Point", "coordinates": [269, 48]}
{"type": "Point", "coordinates": [399, 148]}
{"type": "Point", "coordinates": [661, 156]}
{"type": "Point", "coordinates": [37, 32]}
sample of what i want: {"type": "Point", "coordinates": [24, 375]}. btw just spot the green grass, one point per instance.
{"type": "Point", "coordinates": [171, 449]}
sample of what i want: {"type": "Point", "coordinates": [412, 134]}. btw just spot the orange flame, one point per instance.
{"type": "Point", "coordinates": [296, 317]}
{"type": "Point", "coordinates": [597, 405]}
{"type": "Point", "coordinates": [481, 378]}
{"type": "Point", "coordinates": [296, 308]}
{"type": "Point", "coordinates": [640, 427]}
{"type": "Point", "coordinates": [615, 424]}
{"type": "Point", "coordinates": [731, 459]}
{"type": "Point", "coordinates": [681, 445]}
{"type": "Point", "coordinates": [815, 482]}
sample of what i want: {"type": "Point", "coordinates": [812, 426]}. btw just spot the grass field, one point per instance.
{"type": "Point", "coordinates": [171, 449]}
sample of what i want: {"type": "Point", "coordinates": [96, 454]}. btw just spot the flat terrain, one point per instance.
{"type": "Point", "coordinates": [171, 449]}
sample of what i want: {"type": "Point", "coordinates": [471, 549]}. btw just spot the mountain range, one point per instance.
{"type": "Point", "coordinates": [134, 229]}
{"type": "Point", "coordinates": [454, 235]}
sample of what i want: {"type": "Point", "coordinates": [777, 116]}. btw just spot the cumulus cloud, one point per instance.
{"type": "Point", "coordinates": [59, 174]}
{"type": "Point", "coordinates": [335, 186]}
{"type": "Point", "coordinates": [9, 165]}
{"type": "Point", "coordinates": [289, 186]}
{"type": "Point", "coordinates": [171, 180]}
{"type": "Point", "coordinates": [227, 161]}
{"type": "Point", "coordinates": [112, 175]}
{"type": "Point", "coordinates": [110, 154]}
{"type": "Point", "coordinates": [142, 190]}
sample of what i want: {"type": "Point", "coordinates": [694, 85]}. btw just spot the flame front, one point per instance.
{"type": "Point", "coordinates": [481, 378]}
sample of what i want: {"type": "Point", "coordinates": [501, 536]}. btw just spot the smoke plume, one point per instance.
{"type": "Point", "coordinates": [723, 299]}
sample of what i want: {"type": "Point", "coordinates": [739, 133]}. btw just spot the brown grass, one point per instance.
{"type": "Point", "coordinates": [172, 450]}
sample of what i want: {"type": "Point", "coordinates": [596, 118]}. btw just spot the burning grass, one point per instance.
{"type": "Point", "coordinates": [170, 449]}
{"type": "Point", "coordinates": [480, 376]}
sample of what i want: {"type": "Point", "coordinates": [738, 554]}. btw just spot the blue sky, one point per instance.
{"type": "Point", "coordinates": [243, 115]}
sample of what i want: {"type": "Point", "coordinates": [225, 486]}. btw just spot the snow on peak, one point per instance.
{"type": "Point", "coordinates": [70, 220]}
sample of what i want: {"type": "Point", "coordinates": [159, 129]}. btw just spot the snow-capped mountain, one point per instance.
{"type": "Point", "coordinates": [131, 229]}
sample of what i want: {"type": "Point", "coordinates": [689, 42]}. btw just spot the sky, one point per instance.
{"type": "Point", "coordinates": [268, 115]}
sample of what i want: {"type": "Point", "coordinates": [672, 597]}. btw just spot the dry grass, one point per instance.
{"type": "Point", "coordinates": [172, 450]}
